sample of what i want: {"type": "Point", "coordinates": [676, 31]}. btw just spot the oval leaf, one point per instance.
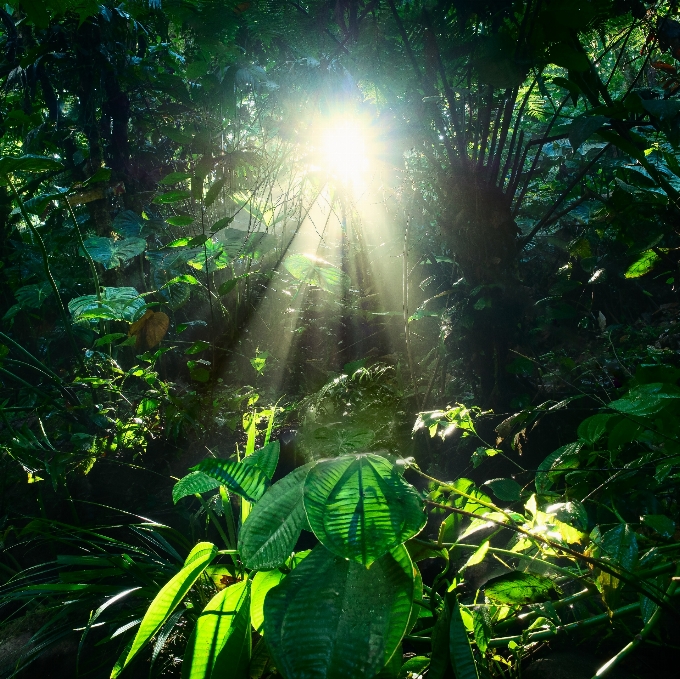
{"type": "Point", "coordinates": [360, 507]}
{"type": "Point", "coordinates": [334, 619]}
{"type": "Point", "coordinates": [521, 588]}
{"type": "Point", "coordinates": [272, 528]}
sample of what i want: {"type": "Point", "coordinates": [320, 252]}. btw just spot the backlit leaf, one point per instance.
{"type": "Point", "coordinates": [194, 482]}
{"type": "Point", "coordinates": [642, 265]}
{"type": "Point", "coordinates": [331, 618]}
{"type": "Point", "coordinates": [220, 644]}
{"type": "Point", "coordinates": [273, 526]}
{"type": "Point", "coordinates": [521, 588]}
{"type": "Point", "coordinates": [360, 507]}
{"type": "Point", "coordinates": [170, 596]}
{"type": "Point", "coordinates": [248, 481]}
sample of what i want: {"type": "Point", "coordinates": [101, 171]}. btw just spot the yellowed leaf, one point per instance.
{"type": "Point", "coordinates": [150, 329]}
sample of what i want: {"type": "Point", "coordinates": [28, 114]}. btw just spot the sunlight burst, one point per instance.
{"type": "Point", "coordinates": [344, 149]}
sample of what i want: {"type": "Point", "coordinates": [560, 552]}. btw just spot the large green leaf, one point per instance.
{"type": "Point", "coordinates": [521, 588]}
{"type": "Point", "coordinates": [360, 507]}
{"type": "Point", "coordinates": [220, 644]}
{"type": "Point", "coordinates": [194, 482]}
{"type": "Point", "coordinates": [273, 526]}
{"type": "Point", "coordinates": [112, 253]}
{"type": "Point", "coordinates": [565, 457]}
{"type": "Point", "coordinates": [248, 481]}
{"type": "Point", "coordinates": [28, 163]}
{"type": "Point", "coordinates": [169, 597]}
{"type": "Point", "coordinates": [116, 304]}
{"type": "Point", "coordinates": [646, 399]}
{"type": "Point", "coordinates": [642, 265]}
{"type": "Point", "coordinates": [315, 271]}
{"type": "Point", "coordinates": [332, 618]}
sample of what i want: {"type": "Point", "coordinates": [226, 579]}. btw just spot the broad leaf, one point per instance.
{"type": "Point", "coordinates": [273, 526]}
{"type": "Point", "coordinates": [507, 490]}
{"type": "Point", "coordinates": [642, 265]}
{"type": "Point", "coordinates": [220, 644]}
{"type": "Point", "coordinates": [172, 197]}
{"type": "Point", "coordinates": [248, 481]}
{"type": "Point", "coordinates": [195, 482]}
{"type": "Point", "coordinates": [563, 458]}
{"type": "Point", "coordinates": [360, 507]}
{"type": "Point", "coordinates": [169, 597]}
{"type": "Point", "coordinates": [334, 619]}
{"type": "Point", "coordinates": [117, 304]}
{"type": "Point", "coordinates": [315, 271]}
{"type": "Point", "coordinates": [112, 253]}
{"type": "Point", "coordinates": [28, 163]}
{"type": "Point", "coordinates": [593, 427]}
{"type": "Point", "coordinates": [521, 588]}
{"type": "Point", "coordinates": [584, 127]}
{"type": "Point", "coordinates": [646, 399]}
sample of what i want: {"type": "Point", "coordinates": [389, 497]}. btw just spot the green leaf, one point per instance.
{"type": "Point", "coordinates": [360, 507]}
{"type": "Point", "coordinates": [180, 220]}
{"type": "Point", "coordinates": [315, 271]}
{"type": "Point", "coordinates": [521, 588]}
{"type": "Point", "coordinates": [593, 427]}
{"type": "Point", "coordinates": [265, 458]}
{"type": "Point", "coordinates": [112, 253]}
{"type": "Point", "coordinates": [194, 482]}
{"type": "Point", "coordinates": [481, 628]}
{"type": "Point", "coordinates": [197, 347]}
{"type": "Point", "coordinates": [226, 287]}
{"type": "Point", "coordinates": [618, 546]}
{"type": "Point", "coordinates": [220, 644]}
{"type": "Point", "coordinates": [663, 109]}
{"type": "Point", "coordinates": [262, 583]}
{"type": "Point", "coordinates": [414, 667]}
{"type": "Point", "coordinates": [174, 178]}
{"type": "Point", "coordinates": [660, 524]}
{"type": "Point", "coordinates": [128, 224]}
{"type": "Point", "coordinates": [642, 265]}
{"type": "Point", "coordinates": [101, 175]}
{"type": "Point", "coordinates": [565, 457]}
{"type": "Point", "coordinates": [199, 240]}
{"type": "Point", "coordinates": [478, 555]}
{"type": "Point", "coordinates": [170, 596]}
{"type": "Point", "coordinates": [220, 224]}
{"type": "Point", "coordinates": [507, 490]}
{"type": "Point", "coordinates": [334, 619]}
{"type": "Point", "coordinates": [583, 127]}
{"type": "Point", "coordinates": [647, 399]}
{"type": "Point", "coordinates": [462, 660]}
{"type": "Point", "coordinates": [171, 197]}
{"type": "Point", "coordinates": [248, 481]}
{"type": "Point", "coordinates": [273, 526]}
{"type": "Point", "coordinates": [214, 192]}
{"type": "Point", "coordinates": [117, 304]}
{"type": "Point", "coordinates": [28, 163]}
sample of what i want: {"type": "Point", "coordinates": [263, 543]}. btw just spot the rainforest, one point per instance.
{"type": "Point", "coordinates": [339, 339]}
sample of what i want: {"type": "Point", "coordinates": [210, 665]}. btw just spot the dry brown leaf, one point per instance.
{"type": "Point", "coordinates": [138, 326]}
{"type": "Point", "coordinates": [155, 330]}
{"type": "Point", "coordinates": [150, 329]}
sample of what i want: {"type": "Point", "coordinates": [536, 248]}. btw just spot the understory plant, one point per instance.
{"type": "Point", "coordinates": [586, 544]}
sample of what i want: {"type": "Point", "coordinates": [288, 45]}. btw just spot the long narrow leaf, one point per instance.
{"type": "Point", "coordinates": [169, 598]}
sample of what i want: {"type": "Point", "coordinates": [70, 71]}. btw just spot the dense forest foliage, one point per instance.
{"type": "Point", "coordinates": [339, 339]}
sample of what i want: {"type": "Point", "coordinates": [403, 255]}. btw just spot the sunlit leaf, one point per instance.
{"type": "Point", "coordinates": [315, 271]}
{"type": "Point", "coordinates": [642, 265]}
{"type": "Point", "coordinates": [360, 507]}
{"type": "Point", "coordinates": [170, 596]}
{"type": "Point", "coordinates": [220, 644]}
{"type": "Point", "coordinates": [273, 526]}
{"type": "Point", "coordinates": [332, 618]}
{"type": "Point", "coordinates": [194, 482]}
{"type": "Point", "coordinates": [521, 588]}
